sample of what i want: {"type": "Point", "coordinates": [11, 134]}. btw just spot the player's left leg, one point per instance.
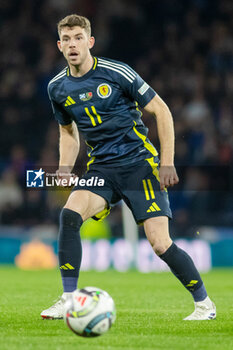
{"type": "Point", "coordinates": [182, 266]}
{"type": "Point", "coordinates": [79, 207]}
{"type": "Point", "coordinates": [84, 202]}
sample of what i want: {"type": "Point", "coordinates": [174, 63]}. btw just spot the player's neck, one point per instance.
{"type": "Point", "coordinates": [83, 68]}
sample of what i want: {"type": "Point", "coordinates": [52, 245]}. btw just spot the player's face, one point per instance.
{"type": "Point", "coordinates": [75, 44]}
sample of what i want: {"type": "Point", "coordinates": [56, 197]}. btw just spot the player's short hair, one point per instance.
{"type": "Point", "coordinates": [74, 20]}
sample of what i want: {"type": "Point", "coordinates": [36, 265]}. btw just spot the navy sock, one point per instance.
{"type": "Point", "coordinates": [184, 269]}
{"type": "Point", "coordinates": [69, 248]}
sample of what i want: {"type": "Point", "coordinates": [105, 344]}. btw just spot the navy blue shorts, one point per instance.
{"type": "Point", "coordinates": [138, 185]}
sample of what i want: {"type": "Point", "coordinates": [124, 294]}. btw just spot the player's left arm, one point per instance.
{"type": "Point", "coordinates": [162, 114]}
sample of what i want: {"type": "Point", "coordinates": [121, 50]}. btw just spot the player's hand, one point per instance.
{"type": "Point", "coordinates": [168, 176]}
{"type": "Point", "coordinates": [64, 176]}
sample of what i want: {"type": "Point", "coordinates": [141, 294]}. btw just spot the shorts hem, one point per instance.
{"type": "Point", "coordinates": [153, 215]}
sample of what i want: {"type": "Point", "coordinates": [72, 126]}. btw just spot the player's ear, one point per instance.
{"type": "Point", "coordinates": [91, 42]}
{"type": "Point", "coordinates": [59, 45]}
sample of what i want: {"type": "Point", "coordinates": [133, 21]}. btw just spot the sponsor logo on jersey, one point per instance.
{"type": "Point", "coordinates": [104, 90]}
{"type": "Point", "coordinates": [86, 96]}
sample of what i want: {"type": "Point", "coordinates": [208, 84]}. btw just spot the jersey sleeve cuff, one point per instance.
{"type": "Point", "coordinates": [150, 94]}
{"type": "Point", "coordinates": [64, 122]}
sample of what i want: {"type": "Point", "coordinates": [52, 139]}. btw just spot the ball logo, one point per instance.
{"type": "Point", "coordinates": [81, 300]}
{"type": "Point", "coordinates": [104, 90]}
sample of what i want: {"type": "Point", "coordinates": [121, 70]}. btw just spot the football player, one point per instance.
{"type": "Point", "coordinates": [99, 98]}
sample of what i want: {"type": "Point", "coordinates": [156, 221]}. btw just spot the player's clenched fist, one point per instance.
{"type": "Point", "coordinates": [168, 176]}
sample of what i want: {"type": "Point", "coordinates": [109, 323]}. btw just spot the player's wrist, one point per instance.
{"type": "Point", "coordinates": [167, 164]}
{"type": "Point", "coordinates": [65, 169]}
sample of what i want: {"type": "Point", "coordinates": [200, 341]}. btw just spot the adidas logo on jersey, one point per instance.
{"type": "Point", "coordinates": [69, 101]}
{"type": "Point", "coordinates": [153, 207]}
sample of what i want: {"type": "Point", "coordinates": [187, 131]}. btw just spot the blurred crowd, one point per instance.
{"type": "Point", "coordinates": [182, 48]}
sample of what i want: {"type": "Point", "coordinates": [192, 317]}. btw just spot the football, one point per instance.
{"type": "Point", "coordinates": [89, 312]}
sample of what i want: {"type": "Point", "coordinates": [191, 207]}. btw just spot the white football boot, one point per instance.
{"type": "Point", "coordinates": [204, 310]}
{"type": "Point", "coordinates": [55, 312]}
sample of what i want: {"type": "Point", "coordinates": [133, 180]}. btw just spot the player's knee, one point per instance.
{"type": "Point", "coordinates": [78, 204]}
{"type": "Point", "coordinates": [160, 245]}
{"type": "Point", "coordinates": [70, 218]}
{"type": "Point", "coordinates": [160, 249]}
{"type": "Point", "coordinates": [81, 202]}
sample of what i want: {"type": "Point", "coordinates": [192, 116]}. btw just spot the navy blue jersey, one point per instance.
{"type": "Point", "coordinates": [104, 105]}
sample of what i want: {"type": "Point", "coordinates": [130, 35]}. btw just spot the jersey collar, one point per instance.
{"type": "Point", "coordinates": [85, 76]}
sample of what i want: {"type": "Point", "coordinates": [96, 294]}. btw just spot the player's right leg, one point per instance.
{"type": "Point", "coordinates": [181, 265]}
{"type": "Point", "coordinates": [150, 205]}
{"type": "Point", "coordinates": [80, 206]}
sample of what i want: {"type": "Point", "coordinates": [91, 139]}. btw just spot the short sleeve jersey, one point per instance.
{"type": "Point", "coordinates": [104, 105]}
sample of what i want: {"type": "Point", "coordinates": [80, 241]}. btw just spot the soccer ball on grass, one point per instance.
{"type": "Point", "coordinates": [89, 312]}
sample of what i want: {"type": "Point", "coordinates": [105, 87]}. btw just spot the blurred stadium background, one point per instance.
{"type": "Point", "coordinates": [184, 49]}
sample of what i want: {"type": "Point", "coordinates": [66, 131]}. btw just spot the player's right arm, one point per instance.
{"type": "Point", "coordinates": [69, 137]}
{"type": "Point", "coordinates": [69, 145]}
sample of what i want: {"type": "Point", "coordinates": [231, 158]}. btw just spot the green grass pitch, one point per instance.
{"type": "Point", "coordinates": [150, 309]}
